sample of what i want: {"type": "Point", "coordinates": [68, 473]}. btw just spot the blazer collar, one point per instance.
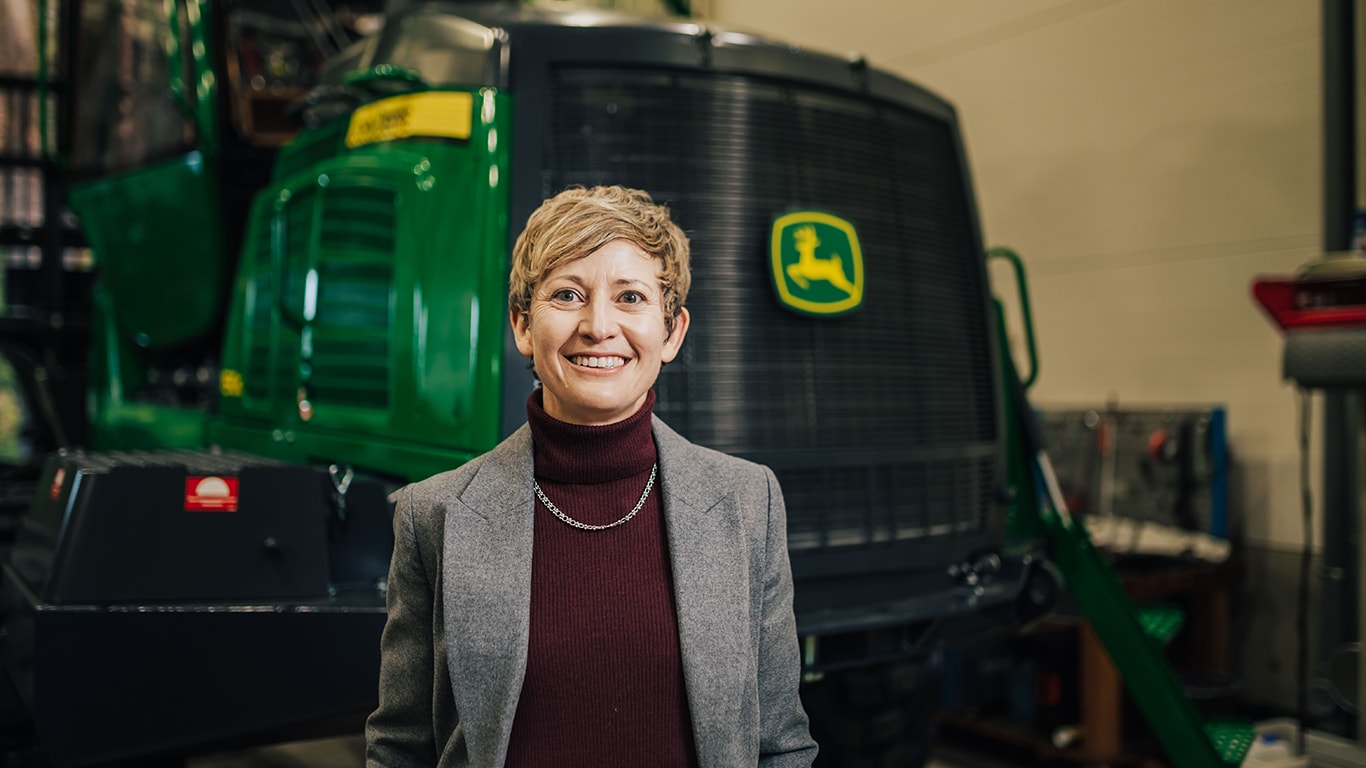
{"type": "Point", "coordinates": [486, 572]}
{"type": "Point", "coordinates": [707, 552]}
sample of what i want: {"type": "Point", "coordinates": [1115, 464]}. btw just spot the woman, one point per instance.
{"type": "Point", "coordinates": [596, 590]}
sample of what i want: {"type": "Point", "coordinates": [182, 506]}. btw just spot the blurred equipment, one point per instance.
{"type": "Point", "coordinates": [1322, 311]}
{"type": "Point", "coordinates": [1120, 640]}
{"type": "Point", "coordinates": [1129, 638]}
{"type": "Point", "coordinates": [245, 577]}
{"type": "Point", "coordinates": [1167, 466]}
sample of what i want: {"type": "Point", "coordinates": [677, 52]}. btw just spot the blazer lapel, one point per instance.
{"type": "Point", "coordinates": [711, 568]}
{"type": "Point", "coordinates": [487, 572]}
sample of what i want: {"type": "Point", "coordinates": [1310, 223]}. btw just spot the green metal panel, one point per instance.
{"type": "Point", "coordinates": [205, 82]}
{"type": "Point", "coordinates": [394, 455]}
{"type": "Point", "coordinates": [370, 302]}
{"type": "Point", "coordinates": [1023, 526]}
{"type": "Point", "coordinates": [1026, 316]}
{"type": "Point", "coordinates": [202, 89]}
{"type": "Point", "coordinates": [156, 230]}
{"type": "Point", "coordinates": [117, 422]}
{"type": "Point", "coordinates": [156, 234]}
{"type": "Point", "coordinates": [148, 427]}
{"type": "Point", "coordinates": [1161, 623]}
{"type": "Point", "coordinates": [1233, 740]}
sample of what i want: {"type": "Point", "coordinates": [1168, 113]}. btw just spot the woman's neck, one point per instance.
{"type": "Point", "coordinates": [574, 453]}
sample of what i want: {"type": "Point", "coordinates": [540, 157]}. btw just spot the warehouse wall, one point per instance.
{"type": "Point", "coordinates": [1147, 158]}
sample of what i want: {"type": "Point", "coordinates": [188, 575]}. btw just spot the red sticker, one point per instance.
{"type": "Point", "coordinates": [210, 494]}
{"type": "Point", "coordinates": [57, 480]}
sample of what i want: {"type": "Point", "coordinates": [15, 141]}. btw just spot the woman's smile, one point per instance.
{"type": "Point", "coordinates": [597, 362]}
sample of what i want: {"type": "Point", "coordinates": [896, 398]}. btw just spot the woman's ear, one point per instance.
{"type": "Point", "coordinates": [521, 330]}
{"type": "Point", "coordinates": [675, 340]}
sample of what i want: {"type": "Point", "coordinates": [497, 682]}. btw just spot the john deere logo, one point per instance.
{"type": "Point", "coordinates": [817, 263]}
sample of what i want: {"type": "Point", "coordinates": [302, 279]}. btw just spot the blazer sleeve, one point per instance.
{"type": "Point", "coordinates": [399, 733]}
{"type": "Point", "coordinates": [784, 733]}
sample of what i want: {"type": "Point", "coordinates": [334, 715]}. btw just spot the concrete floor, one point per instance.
{"type": "Point", "coordinates": [344, 752]}
{"type": "Point", "coordinates": [349, 752]}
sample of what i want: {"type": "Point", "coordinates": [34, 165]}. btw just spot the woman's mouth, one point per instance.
{"type": "Point", "coordinates": [586, 361]}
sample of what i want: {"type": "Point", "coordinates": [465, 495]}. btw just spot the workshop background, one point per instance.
{"type": "Point", "coordinates": [1147, 159]}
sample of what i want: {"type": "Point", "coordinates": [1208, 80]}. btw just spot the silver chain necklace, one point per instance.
{"type": "Point", "coordinates": [585, 526]}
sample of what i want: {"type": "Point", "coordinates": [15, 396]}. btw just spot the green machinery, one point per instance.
{"type": "Point", "coordinates": [301, 229]}
{"type": "Point", "coordinates": [176, 117]}
{"type": "Point", "coordinates": [333, 302]}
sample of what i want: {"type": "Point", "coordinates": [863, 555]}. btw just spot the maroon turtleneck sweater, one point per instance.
{"type": "Point", "coordinates": [604, 677]}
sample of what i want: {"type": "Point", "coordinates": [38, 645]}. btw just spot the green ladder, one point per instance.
{"type": "Point", "coordinates": [1135, 639]}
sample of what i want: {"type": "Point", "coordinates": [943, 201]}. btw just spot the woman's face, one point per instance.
{"type": "Point", "coordinates": [596, 332]}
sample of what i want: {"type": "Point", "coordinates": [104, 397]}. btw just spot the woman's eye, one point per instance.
{"type": "Point", "coordinates": [631, 297]}
{"type": "Point", "coordinates": [564, 294]}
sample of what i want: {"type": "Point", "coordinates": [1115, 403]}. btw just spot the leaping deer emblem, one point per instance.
{"type": "Point", "coordinates": [809, 268]}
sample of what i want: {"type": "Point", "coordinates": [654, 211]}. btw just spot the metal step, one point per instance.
{"type": "Point", "coordinates": [1161, 623]}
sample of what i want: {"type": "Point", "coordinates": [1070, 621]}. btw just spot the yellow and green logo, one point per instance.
{"type": "Point", "coordinates": [817, 265]}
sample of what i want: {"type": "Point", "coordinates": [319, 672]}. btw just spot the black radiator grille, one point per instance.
{"type": "Point", "coordinates": [884, 503]}
{"type": "Point", "coordinates": [881, 424]}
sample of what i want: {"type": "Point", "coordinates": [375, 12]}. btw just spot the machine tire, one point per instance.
{"type": "Point", "coordinates": [881, 716]}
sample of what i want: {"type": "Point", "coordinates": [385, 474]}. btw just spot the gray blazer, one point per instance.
{"type": "Point", "coordinates": [454, 648]}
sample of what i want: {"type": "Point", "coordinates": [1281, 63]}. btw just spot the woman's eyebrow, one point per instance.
{"type": "Point", "coordinates": [579, 281]}
{"type": "Point", "coordinates": [575, 279]}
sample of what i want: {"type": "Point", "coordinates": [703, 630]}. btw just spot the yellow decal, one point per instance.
{"type": "Point", "coordinates": [442, 114]}
{"type": "Point", "coordinates": [817, 264]}
{"type": "Point", "coordinates": [230, 383]}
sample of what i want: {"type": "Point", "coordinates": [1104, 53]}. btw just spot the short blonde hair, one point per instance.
{"type": "Point", "coordinates": [578, 221]}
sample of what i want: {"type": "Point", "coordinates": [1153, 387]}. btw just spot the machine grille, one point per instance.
{"type": "Point", "coordinates": [257, 374]}
{"type": "Point", "coordinates": [333, 294]}
{"type": "Point", "coordinates": [351, 335]}
{"type": "Point", "coordinates": [280, 238]}
{"type": "Point", "coordinates": [880, 423]}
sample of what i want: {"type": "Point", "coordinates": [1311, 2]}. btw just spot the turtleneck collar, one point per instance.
{"type": "Point", "coordinates": [573, 453]}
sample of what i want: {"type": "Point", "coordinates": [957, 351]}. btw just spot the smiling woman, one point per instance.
{"type": "Point", "coordinates": [651, 627]}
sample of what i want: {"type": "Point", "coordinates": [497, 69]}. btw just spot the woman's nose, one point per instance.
{"type": "Point", "coordinates": [597, 320]}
